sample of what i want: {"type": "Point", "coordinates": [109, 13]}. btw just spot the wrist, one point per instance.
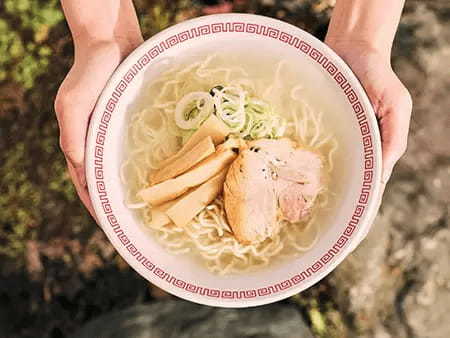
{"type": "Point", "coordinates": [360, 37]}
{"type": "Point", "coordinates": [103, 23]}
{"type": "Point", "coordinates": [125, 43]}
{"type": "Point", "coordinates": [350, 48]}
{"type": "Point", "coordinates": [363, 26]}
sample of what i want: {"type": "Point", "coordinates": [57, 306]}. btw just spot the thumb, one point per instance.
{"type": "Point", "coordinates": [394, 124]}
{"type": "Point", "coordinates": [73, 128]}
{"type": "Point", "coordinates": [388, 167]}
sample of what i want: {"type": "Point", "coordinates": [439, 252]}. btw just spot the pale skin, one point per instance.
{"type": "Point", "coordinates": [361, 32]}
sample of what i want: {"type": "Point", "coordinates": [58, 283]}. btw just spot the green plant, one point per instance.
{"type": "Point", "coordinates": [321, 313]}
{"type": "Point", "coordinates": [24, 29]}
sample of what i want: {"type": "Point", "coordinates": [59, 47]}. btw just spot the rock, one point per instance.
{"type": "Point", "coordinates": [421, 53]}
{"type": "Point", "coordinates": [360, 278]}
{"type": "Point", "coordinates": [438, 184]}
{"type": "Point", "coordinates": [425, 307]}
{"type": "Point", "coordinates": [180, 319]}
{"type": "Point", "coordinates": [381, 285]}
{"type": "Point", "coordinates": [406, 198]}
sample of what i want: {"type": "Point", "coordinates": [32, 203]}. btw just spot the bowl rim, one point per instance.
{"type": "Point", "coordinates": [366, 110]}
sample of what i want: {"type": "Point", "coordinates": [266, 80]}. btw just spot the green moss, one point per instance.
{"type": "Point", "coordinates": [16, 48]}
{"type": "Point", "coordinates": [27, 22]}
{"type": "Point", "coordinates": [318, 322]}
{"type": "Point", "coordinates": [32, 180]}
{"type": "Point", "coordinates": [161, 14]}
{"type": "Point", "coordinates": [324, 318]}
{"type": "Point", "coordinates": [7, 39]}
{"type": "Point", "coordinates": [35, 14]}
{"type": "Point", "coordinates": [45, 51]}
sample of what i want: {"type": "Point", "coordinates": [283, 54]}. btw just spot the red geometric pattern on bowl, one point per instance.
{"type": "Point", "coordinates": [302, 47]}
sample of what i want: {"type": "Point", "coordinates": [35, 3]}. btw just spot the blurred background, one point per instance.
{"type": "Point", "coordinates": [58, 271]}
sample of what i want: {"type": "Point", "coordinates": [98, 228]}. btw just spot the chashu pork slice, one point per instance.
{"type": "Point", "coordinates": [298, 175]}
{"type": "Point", "coordinates": [250, 199]}
{"type": "Point", "coordinates": [271, 178]}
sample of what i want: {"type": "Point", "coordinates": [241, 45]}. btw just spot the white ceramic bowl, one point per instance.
{"type": "Point", "coordinates": [359, 162]}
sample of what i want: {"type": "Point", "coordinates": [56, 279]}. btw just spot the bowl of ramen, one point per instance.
{"type": "Point", "coordinates": [234, 160]}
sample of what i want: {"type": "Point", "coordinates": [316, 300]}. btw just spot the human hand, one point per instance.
{"type": "Point", "coordinates": [94, 63]}
{"type": "Point", "coordinates": [390, 99]}
{"type": "Point", "coordinates": [104, 33]}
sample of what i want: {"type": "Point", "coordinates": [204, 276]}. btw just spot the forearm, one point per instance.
{"type": "Point", "coordinates": [369, 23]}
{"type": "Point", "coordinates": [94, 21]}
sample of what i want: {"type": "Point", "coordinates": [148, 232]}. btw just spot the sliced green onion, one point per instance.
{"type": "Point", "coordinates": [193, 109]}
{"type": "Point", "coordinates": [247, 117]}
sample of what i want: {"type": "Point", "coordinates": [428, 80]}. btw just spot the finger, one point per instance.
{"type": "Point", "coordinates": [73, 120]}
{"type": "Point", "coordinates": [73, 128]}
{"type": "Point", "coordinates": [82, 190]}
{"type": "Point", "coordinates": [394, 125]}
